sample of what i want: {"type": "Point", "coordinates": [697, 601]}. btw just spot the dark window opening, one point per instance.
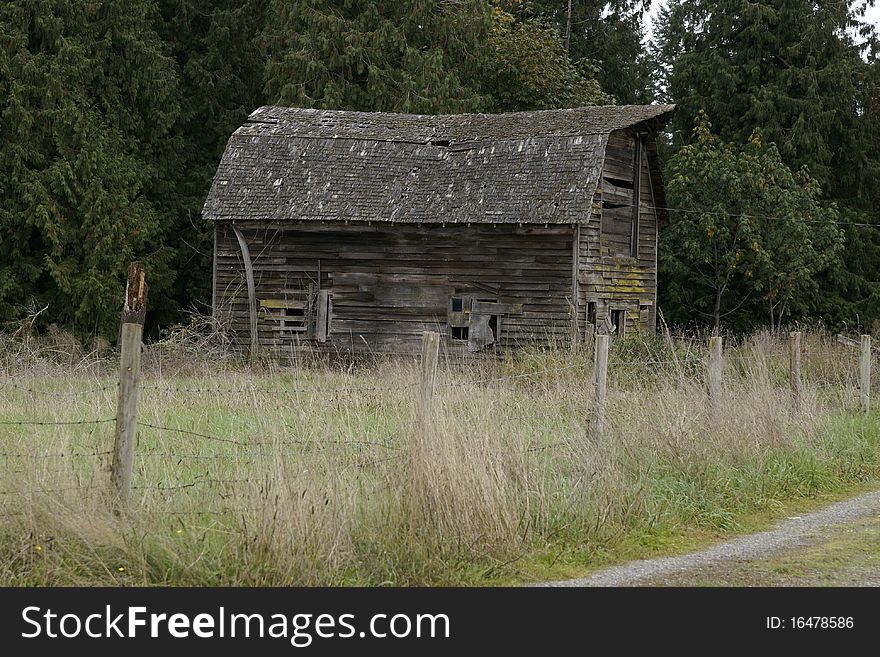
{"type": "Point", "coordinates": [619, 182]}
{"type": "Point", "coordinates": [475, 320]}
{"type": "Point", "coordinates": [618, 322]}
{"type": "Point", "coordinates": [294, 318]}
{"type": "Point", "coordinates": [591, 316]}
{"type": "Point", "coordinates": [440, 142]}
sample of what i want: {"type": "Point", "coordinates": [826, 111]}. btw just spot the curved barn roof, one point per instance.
{"type": "Point", "coordinates": [290, 164]}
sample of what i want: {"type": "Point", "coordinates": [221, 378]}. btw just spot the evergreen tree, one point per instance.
{"type": "Point", "coordinates": [87, 97]}
{"type": "Point", "coordinates": [608, 33]}
{"type": "Point", "coordinates": [416, 56]}
{"type": "Point", "coordinates": [215, 44]}
{"type": "Point", "coordinates": [528, 69]}
{"type": "Point", "coordinates": [786, 66]}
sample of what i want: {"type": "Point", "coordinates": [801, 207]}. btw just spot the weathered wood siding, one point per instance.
{"type": "Point", "coordinates": [611, 275]}
{"type": "Point", "coordinates": [388, 283]}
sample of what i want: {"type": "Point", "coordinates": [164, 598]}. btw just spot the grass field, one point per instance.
{"type": "Point", "coordinates": [320, 473]}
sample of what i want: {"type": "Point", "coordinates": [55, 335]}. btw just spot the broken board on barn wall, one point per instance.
{"type": "Point", "coordinates": [478, 320]}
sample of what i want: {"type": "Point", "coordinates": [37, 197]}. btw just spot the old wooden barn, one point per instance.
{"type": "Point", "coordinates": [358, 231]}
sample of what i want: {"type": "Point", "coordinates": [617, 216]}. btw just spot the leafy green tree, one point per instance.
{"type": "Point", "coordinates": [528, 68]}
{"type": "Point", "coordinates": [87, 98]}
{"type": "Point", "coordinates": [416, 56]}
{"type": "Point", "coordinates": [755, 234]}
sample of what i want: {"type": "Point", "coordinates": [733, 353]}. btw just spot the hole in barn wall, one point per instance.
{"type": "Point", "coordinates": [618, 321]}
{"type": "Point", "coordinates": [460, 332]}
{"type": "Point", "coordinates": [493, 319]}
{"type": "Point", "coordinates": [294, 319]}
{"type": "Point", "coordinates": [619, 182]}
{"type": "Point", "coordinates": [591, 317]}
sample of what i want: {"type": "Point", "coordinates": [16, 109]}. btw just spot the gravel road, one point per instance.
{"type": "Point", "coordinates": [721, 563]}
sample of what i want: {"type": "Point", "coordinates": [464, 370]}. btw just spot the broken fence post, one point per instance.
{"type": "Point", "coordinates": [714, 375]}
{"type": "Point", "coordinates": [865, 373]}
{"type": "Point", "coordinates": [794, 354]}
{"type": "Point", "coordinates": [600, 379]}
{"type": "Point", "coordinates": [430, 353]}
{"type": "Point", "coordinates": [131, 335]}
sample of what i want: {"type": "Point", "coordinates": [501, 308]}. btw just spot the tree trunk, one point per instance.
{"type": "Point", "coordinates": [568, 28]}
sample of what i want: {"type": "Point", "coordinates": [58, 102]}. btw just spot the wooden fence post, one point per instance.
{"type": "Point", "coordinates": [600, 379]}
{"type": "Point", "coordinates": [714, 375]}
{"type": "Point", "coordinates": [865, 372]}
{"type": "Point", "coordinates": [430, 353]}
{"type": "Point", "coordinates": [794, 353]}
{"type": "Point", "coordinates": [131, 335]}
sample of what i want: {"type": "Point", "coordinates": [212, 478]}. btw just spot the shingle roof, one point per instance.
{"type": "Point", "coordinates": [527, 167]}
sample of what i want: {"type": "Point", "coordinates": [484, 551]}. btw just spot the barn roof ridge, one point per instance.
{"type": "Point", "coordinates": [423, 128]}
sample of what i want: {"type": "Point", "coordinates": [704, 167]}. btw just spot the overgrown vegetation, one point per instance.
{"type": "Point", "coordinates": [320, 473]}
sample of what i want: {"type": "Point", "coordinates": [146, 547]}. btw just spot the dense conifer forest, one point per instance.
{"type": "Point", "coordinates": [114, 114]}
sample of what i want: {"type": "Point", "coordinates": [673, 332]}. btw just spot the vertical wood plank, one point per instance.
{"type": "Point", "coordinates": [714, 375]}
{"type": "Point", "coordinates": [600, 379]}
{"type": "Point", "coordinates": [654, 281]}
{"type": "Point", "coordinates": [794, 353]}
{"type": "Point", "coordinates": [131, 335]}
{"type": "Point", "coordinates": [637, 197]}
{"type": "Point", "coordinates": [323, 316]}
{"type": "Point", "coordinates": [575, 287]}
{"type": "Point", "coordinates": [865, 373]}
{"type": "Point", "coordinates": [251, 288]}
{"type": "Point", "coordinates": [214, 311]}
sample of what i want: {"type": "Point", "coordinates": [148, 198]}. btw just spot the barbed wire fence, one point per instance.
{"type": "Point", "coordinates": [120, 459]}
{"type": "Point", "coordinates": [429, 384]}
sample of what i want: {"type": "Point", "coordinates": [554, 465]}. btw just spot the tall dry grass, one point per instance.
{"type": "Point", "coordinates": [321, 473]}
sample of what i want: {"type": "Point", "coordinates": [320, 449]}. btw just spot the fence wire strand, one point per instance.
{"type": "Point", "coordinates": [48, 423]}
{"type": "Point", "coordinates": [54, 393]}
